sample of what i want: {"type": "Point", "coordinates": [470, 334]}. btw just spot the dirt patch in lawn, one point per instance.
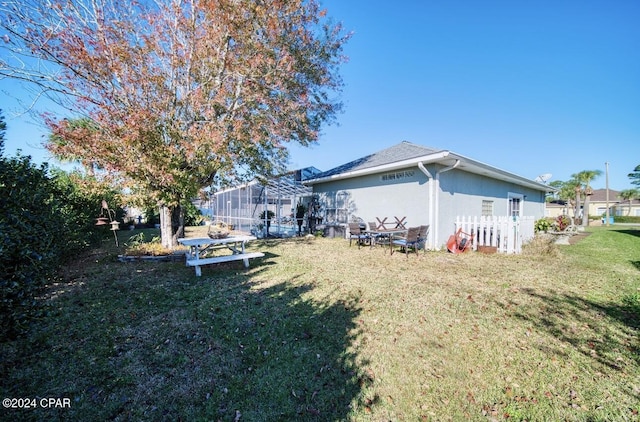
{"type": "Point", "coordinates": [578, 237]}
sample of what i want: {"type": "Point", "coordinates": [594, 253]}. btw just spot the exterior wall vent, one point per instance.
{"type": "Point", "coordinates": [397, 175]}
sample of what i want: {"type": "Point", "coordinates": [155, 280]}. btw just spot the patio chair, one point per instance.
{"type": "Point", "coordinates": [422, 237]}
{"type": "Point", "coordinates": [410, 240]}
{"type": "Point", "coordinates": [356, 233]}
{"type": "Point", "coordinates": [377, 239]}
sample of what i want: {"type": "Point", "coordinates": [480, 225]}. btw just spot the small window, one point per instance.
{"type": "Point", "coordinates": [487, 208]}
{"type": "Point", "coordinates": [515, 204]}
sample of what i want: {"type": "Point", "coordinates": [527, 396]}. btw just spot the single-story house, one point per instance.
{"type": "Point", "coordinates": [629, 207]}
{"type": "Point", "coordinates": [598, 202]}
{"type": "Point", "coordinates": [557, 208]}
{"type": "Point", "coordinates": [617, 205]}
{"type": "Point", "coordinates": [423, 186]}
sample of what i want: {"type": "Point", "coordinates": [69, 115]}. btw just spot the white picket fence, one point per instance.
{"type": "Point", "coordinates": [505, 233]}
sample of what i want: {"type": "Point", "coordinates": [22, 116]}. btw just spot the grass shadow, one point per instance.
{"type": "Point", "coordinates": [150, 341]}
{"type": "Point", "coordinates": [586, 326]}
{"type": "Point", "coordinates": [631, 232]}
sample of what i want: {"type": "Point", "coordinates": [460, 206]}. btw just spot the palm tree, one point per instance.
{"type": "Point", "coordinates": [570, 192]}
{"type": "Point", "coordinates": [628, 195]}
{"type": "Point", "coordinates": [584, 179]}
{"type": "Point", "coordinates": [635, 176]}
{"type": "Point", "coordinates": [566, 193]}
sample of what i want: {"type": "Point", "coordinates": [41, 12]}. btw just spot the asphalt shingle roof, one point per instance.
{"type": "Point", "coordinates": [600, 195]}
{"type": "Point", "coordinates": [402, 151]}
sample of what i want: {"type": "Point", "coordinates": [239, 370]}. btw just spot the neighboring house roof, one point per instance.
{"type": "Point", "coordinates": [556, 204]}
{"type": "Point", "coordinates": [600, 195]}
{"type": "Point", "coordinates": [626, 203]}
{"type": "Point", "coordinates": [406, 154]}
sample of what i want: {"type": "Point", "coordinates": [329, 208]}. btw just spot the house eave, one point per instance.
{"type": "Point", "coordinates": [445, 158]}
{"type": "Point", "coordinates": [410, 162]}
{"type": "Point", "coordinates": [477, 167]}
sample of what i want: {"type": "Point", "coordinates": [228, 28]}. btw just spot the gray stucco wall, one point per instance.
{"type": "Point", "coordinates": [368, 197]}
{"type": "Point", "coordinates": [408, 193]}
{"type": "Point", "coordinates": [462, 194]}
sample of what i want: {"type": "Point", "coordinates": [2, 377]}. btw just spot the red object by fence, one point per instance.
{"type": "Point", "coordinates": [460, 242]}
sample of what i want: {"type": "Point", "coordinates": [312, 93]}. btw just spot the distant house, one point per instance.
{"type": "Point", "coordinates": [557, 208]}
{"type": "Point", "coordinates": [598, 205]}
{"type": "Point", "coordinates": [617, 206]}
{"type": "Point", "coordinates": [423, 186]}
{"type": "Point", "coordinates": [628, 208]}
{"type": "Point", "coordinates": [598, 202]}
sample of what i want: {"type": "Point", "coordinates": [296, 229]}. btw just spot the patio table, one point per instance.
{"type": "Point", "coordinates": [389, 233]}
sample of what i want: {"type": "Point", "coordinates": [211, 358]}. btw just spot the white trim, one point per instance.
{"type": "Point", "coordinates": [431, 212]}
{"type": "Point", "coordinates": [444, 158]}
{"type": "Point", "coordinates": [437, 204]}
{"type": "Point", "coordinates": [381, 169]}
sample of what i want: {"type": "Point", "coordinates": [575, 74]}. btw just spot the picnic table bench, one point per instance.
{"type": "Point", "coordinates": [198, 246]}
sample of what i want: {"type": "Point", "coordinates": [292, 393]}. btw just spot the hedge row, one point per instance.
{"type": "Point", "coordinates": [44, 218]}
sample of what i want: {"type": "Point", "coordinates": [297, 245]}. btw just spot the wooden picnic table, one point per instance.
{"type": "Point", "coordinates": [198, 246]}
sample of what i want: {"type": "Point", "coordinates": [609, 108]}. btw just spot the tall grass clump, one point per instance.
{"type": "Point", "coordinates": [541, 244]}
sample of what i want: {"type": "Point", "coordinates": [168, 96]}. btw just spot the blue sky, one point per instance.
{"type": "Point", "coordinates": [529, 87]}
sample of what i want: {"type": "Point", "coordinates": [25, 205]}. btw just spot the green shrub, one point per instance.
{"type": "Point", "coordinates": [79, 205]}
{"type": "Point", "coordinates": [138, 245]}
{"type": "Point", "coordinates": [44, 219]}
{"type": "Point", "coordinates": [626, 219]}
{"type": "Point", "coordinates": [542, 225]}
{"type": "Point", "coordinates": [29, 242]}
{"type": "Point", "coordinates": [192, 215]}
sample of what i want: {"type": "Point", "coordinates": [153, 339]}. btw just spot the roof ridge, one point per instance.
{"type": "Point", "coordinates": [398, 152]}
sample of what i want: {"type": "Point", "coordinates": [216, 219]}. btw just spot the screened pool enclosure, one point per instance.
{"type": "Point", "coordinates": [243, 207]}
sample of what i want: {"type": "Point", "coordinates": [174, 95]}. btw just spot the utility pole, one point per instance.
{"type": "Point", "coordinates": [606, 166]}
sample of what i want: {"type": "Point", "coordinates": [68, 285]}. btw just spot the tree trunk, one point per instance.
{"type": "Point", "coordinates": [576, 213]}
{"type": "Point", "coordinates": [177, 225]}
{"type": "Point", "coordinates": [585, 212]}
{"type": "Point", "coordinates": [171, 225]}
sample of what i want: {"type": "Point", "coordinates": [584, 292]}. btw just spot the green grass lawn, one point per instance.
{"type": "Point", "coordinates": [318, 330]}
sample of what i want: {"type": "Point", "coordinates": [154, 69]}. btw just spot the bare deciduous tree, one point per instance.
{"type": "Point", "coordinates": [178, 92]}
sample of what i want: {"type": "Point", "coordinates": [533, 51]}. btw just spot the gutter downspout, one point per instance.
{"type": "Point", "coordinates": [437, 204]}
{"type": "Point", "coordinates": [431, 223]}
